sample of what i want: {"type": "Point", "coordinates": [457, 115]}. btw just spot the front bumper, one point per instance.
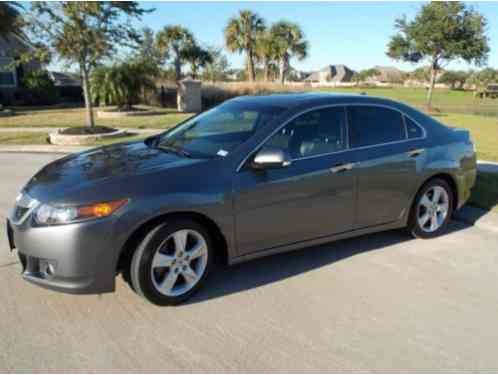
{"type": "Point", "coordinates": [75, 258]}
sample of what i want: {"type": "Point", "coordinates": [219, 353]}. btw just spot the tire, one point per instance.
{"type": "Point", "coordinates": [172, 262]}
{"type": "Point", "coordinates": [429, 218]}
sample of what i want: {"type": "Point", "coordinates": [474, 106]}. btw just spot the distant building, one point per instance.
{"type": "Point", "coordinates": [68, 86]}
{"type": "Point", "coordinates": [61, 79]}
{"type": "Point", "coordinates": [11, 48]}
{"type": "Point", "coordinates": [389, 74]}
{"type": "Point", "coordinates": [331, 74]}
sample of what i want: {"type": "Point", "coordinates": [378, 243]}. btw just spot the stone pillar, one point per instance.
{"type": "Point", "coordinates": [189, 96]}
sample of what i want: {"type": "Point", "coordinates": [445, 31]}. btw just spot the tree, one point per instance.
{"type": "Point", "coordinates": [363, 75]}
{"type": "Point", "coordinates": [175, 40]}
{"type": "Point", "coordinates": [422, 74]}
{"type": "Point", "coordinates": [197, 57]}
{"type": "Point", "coordinates": [289, 42]}
{"type": "Point", "coordinates": [11, 18]}
{"type": "Point", "coordinates": [121, 84]}
{"type": "Point", "coordinates": [84, 33]}
{"type": "Point", "coordinates": [266, 52]}
{"type": "Point", "coordinates": [147, 50]}
{"type": "Point", "coordinates": [441, 32]}
{"type": "Point", "coordinates": [217, 68]}
{"type": "Point", "coordinates": [454, 78]}
{"type": "Point", "coordinates": [481, 79]}
{"type": "Point", "coordinates": [241, 35]}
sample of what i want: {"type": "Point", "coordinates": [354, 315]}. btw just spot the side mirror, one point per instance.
{"type": "Point", "coordinates": [270, 158]}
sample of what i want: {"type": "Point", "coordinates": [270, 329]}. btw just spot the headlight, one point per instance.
{"type": "Point", "coordinates": [53, 215]}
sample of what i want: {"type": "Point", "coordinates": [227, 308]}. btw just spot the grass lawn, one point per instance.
{"type": "Point", "coordinates": [67, 117]}
{"type": "Point", "coordinates": [485, 192]}
{"type": "Point", "coordinates": [443, 99]}
{"type": "Point", "coordinates": [484, 132]}
{"type": "Point", "coordinates": [25, 138]}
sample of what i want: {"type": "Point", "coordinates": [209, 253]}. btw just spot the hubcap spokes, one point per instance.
{"type": "Point", "coordinates": [433, 209]}
{"type": "Point", "coordinates": [179, 262]}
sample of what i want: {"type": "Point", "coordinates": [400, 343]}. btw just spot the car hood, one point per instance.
{"type": "Point", "coordinates": [117, 161]}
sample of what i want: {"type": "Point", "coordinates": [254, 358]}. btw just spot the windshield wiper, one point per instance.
{"type": "Point", "coordinates": [177, 150]}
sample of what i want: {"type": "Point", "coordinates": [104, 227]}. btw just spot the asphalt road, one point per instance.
{"type": "Point", "coordinates": [381, 302]}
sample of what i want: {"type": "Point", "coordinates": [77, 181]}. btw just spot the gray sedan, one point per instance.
{"type": "Point", "coordinates": [252, 177]}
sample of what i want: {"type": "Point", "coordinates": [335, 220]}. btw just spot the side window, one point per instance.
{"type": "Point", "coordinates": [316, 132]}
{"type": "Point", "coordinates": [372, 125]}
{"type": "Point", "coordinates": [413, 129]}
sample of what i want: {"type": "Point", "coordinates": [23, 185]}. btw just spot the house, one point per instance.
{"type": "Point", "coordinates": [68, 86]}
{"type": "Point", "coordinates": [388, 74]}
{"type": "Point", "coordinates": [331, 74]}
{"type": "Point", "coordinates": [11, 48]}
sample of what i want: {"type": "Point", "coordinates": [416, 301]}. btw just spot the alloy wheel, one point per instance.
{"type": "Point", "coordinates": [433, 209]}
{"type": "Point", "coordinates": [179, 262]}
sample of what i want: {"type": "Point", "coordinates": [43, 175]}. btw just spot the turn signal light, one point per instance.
{"type": "Point", "coordinates": [101, 209]}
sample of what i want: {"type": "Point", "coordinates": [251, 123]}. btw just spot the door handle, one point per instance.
{"type": "Point", "coordinates": [342, 167]}
{"type": "Point", "coordinates": [416, 152]}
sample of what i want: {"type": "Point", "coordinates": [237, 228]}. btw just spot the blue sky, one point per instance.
{"type": "Point", "coordinates": [353, 33]}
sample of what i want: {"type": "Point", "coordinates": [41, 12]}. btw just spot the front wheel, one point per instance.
{"type": "Point", "coordinates": [431, 210]}
{"type": "Point", "coordinates": [172, 262]}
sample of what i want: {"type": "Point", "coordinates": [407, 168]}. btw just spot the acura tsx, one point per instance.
{"type": "Point", "coordinates": [251, 177]}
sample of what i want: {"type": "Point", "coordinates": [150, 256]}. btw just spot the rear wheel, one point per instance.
{"type": "Point", "coordinates": [172, 262]}
{"type": "Point", "coordinates": [431, 210]}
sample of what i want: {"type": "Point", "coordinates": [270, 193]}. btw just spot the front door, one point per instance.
{"type": "Point", "coordinates": [312, 197]}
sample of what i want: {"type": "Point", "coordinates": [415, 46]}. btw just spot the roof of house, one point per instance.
{"type": "Point", "coordinates": [388, 72]}
{"type": "Point", "coordinates": [65, 79]}
{"type": "Point", "coordinates": [11, 44]}
{"type": "Point", "coordinates": [338, 73]}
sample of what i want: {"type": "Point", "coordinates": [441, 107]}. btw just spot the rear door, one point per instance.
{"type": "Point", "coordinates": [387, 164]}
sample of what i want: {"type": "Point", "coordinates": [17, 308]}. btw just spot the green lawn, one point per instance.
{"type": "Point", "coordinates": [484, 132]}
{"type": "Point", "coordinates": [25, 138]}
{"type": "Point", "coordinates": [67, 117]}
{"type": "Point", "coordinates": [454, 101]}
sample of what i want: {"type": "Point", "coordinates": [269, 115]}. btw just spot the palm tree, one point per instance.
{"type": "Point", "coordinates": [10, 16]}
{"type": "Point", "coordinates": [197, 57]}
{"type": "Point", "coordinates": [241, 35]}
{"type": "Point", "coordinates": [290, 42]}
{"type": "Point", "coordinates": [266, 52]}
{"type": "Point", "coordinates": [174, 40]}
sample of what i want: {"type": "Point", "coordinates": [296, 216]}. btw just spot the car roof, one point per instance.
{"type": "Point", "coordinates": [287, 100]}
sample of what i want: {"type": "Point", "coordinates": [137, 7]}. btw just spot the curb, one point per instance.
{"type": "Point", "coordinates": [50, 130]}
{"type": "Point", "coordinates": [59, 139]}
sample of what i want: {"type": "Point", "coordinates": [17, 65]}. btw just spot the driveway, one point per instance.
{"type": "Point", "coordinates": [381, 302]}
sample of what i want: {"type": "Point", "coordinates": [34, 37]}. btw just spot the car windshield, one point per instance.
{"type": "Point", "coordinates": [217, 132]}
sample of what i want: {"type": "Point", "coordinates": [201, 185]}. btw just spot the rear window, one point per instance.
{"type": "Point", "coordinates": [372, 125]}
{"type": "Point", "coordinates": [413, 130]}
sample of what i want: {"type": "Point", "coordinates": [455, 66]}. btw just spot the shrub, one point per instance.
{"type": "Point", "coordinates": [122, 84]}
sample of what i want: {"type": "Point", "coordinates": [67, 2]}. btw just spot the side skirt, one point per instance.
{"type": "Point", "coordinates": [317, 241]}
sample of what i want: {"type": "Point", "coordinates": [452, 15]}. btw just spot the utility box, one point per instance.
{"type": "Point", "coordinates": [189, 96]}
